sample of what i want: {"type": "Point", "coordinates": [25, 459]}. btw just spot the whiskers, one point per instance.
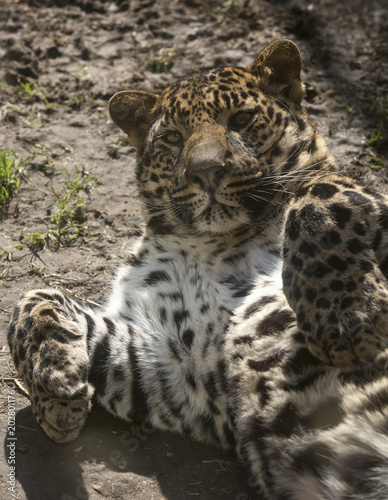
{"type": "Point", "coordinates": [258, 195]}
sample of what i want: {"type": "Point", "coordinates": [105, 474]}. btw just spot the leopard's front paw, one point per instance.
{"type": "Point", "coordinates": [50, 353]}
{"type": "Point", "coordinates": [345, 320]}
{"type": "Point", "coordinates": [62, 419]}
{"type": "Point", "coordinates": [59, 390]}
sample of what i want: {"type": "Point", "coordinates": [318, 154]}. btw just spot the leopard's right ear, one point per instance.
{"type": "Point", "coordinates": [279, 66]}
{"type": "Point", "coordinates": [134, 111]}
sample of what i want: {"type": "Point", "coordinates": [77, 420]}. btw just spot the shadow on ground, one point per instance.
{"type": "Point", "coordinates": [178, 468]}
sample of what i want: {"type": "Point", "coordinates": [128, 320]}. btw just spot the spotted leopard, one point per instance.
{"type": "Point", "coordinates": [253, 314]}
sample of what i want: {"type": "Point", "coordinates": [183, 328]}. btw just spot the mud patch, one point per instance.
{"type": "Point", "coordinates": [60, 63]}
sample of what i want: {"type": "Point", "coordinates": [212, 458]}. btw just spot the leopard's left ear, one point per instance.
{"type": "Point", "coordinates": [279, 66]}
{"type": "Point", "coordinates": [134, 112]}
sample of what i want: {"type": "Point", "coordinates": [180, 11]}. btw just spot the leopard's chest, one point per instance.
{"type": "Point", "coordinates": [188, 289]}
{"type": "Point", "coordinates": [179, 298]}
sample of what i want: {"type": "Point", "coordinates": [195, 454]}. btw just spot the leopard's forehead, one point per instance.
{"type": "Point", "coordinates": [224, 87]}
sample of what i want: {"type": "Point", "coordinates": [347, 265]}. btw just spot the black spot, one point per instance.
{"type": "Point", "coordinates": [301, 192]}
{"type": "Point", "coordinates": [310, 295]}
{"type": "Point", "coordinates": [278, 119]}
{"type": "Point", "coordinates": [222, 375]}
{"type": "Point", "coordinates": [91, 326]}
{"type": "Point", "coordinates": [286, 421]}
{"type": "Point", "coordinates": [377, 239]}
{"type": "Point", "coordinates": [376, 401]}
{"type": "Point", "coordinates": [191, 380]}
{"type": "Point", "coordinates": [292, 226]}
{"type": "Point", "coordinates": [355, 246]}
{"type": "Point", "coordinates": [139, 410]}
{"type": "Point", "coordinates": [317, 269]}
{"type": "Point", "coordinates": [324, 191]}
{"type": "Point", "coordinates": [311, 219]}
{"type": "Point", "coordinates": [99, 365]}
{"type": "Point", "coordinates": [312, 147]}
{"type": "Point", "coordinates": [244, 339]}
{"type": "Point", "coordinates": [296, 293]}
{"type": "Point", "coordinates": [323, 303]}
{"type": "Point", "coordinates": [110, 326]}
{"type": "Point", "coordinates": [267, 363]}
{"type": "Point", "coordinates": [243, 291]}
{"type": "Point", "coordinates": [296, 263]}
{"type": "Point", "coordinates": [51, 296]}
{"type": "Point", "coordinates": [234, 258]}
{"type": "Point", "coordinates": [21, 352]}
{"type": "Point", "coordinates": [188, 338]}
{"type": "Point", "coordinates": [204, 308]}
{"type": "Point", "coordinates": [308, 248]}
{"type": "Point", "coordinates": [332, 319]}
{"type": "Point", "coordinates": [337, 263]}
{"type": "Point", "coordinates": [360, 228]}
{"type": "Point", "coordinates": [210, 384]}
{"type": "Point", "coordinates": [366, 266]}
{"type": "Point", "coordinates": [212, 407]}
{"type": "Point", "coordinates": [258, 305]}
{"type": "Point", "coordinates": [357, 199]}
{"type": "Point", "coordinates": [276, 322]}
{"type": "Point", "coordinates": [336, 285]}
{"type": "Point", "coordinates": [301, 123]}
{"type": "Point", "coordinates": [340, 214]}
{"type": "Point", "coordinates": [346, 302]}
{"type": "Point", "coordinates": [263, 390]}
{"type": "Point", "coordinates": [163, 315]}
{"type": "Point", "coordinates": [330, 240]}
{"type": "Point", "coordinates": [298, 337]}
{"type": "Point", "coordinates": [180, 316]}
{"type": "Point", "coordinates": [302, 360]}
{"type": "Point", "coordinates": [61, 334]}
{"type": "Point", "coordinates": [51, 313]}
{"type": "Point", "coordinates": [314, 458]}
{"type": "Point", "coordinates": [118, 373]}
{"type": "Point", "coordinates": [116, 398]}
{"type": "Point", "coordinates": [155, 277]}
{"type": "Point", "coordinates": [174, 349]}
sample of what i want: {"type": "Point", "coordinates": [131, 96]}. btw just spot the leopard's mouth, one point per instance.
{"type": "Point", "coordinates": [214, 216]}
{"type": "Point", "coordinates": [236, 200]}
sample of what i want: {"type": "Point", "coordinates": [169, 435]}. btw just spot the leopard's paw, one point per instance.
{"type": "Point", "coordinates": [62, 419]}
{"type": "Point", "coordinates": [348, 326]}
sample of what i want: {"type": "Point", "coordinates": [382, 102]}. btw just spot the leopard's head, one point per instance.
{"type": "Point", "coordinates": [221, 149]}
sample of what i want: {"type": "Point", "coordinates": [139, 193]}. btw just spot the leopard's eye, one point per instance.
{"type": "Point", "coordinates": [173, 137]}
{"type": "Point", "coordinates": [241, 119]}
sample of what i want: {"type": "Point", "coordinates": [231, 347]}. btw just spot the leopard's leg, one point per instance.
{"type": "Point", "coordinates": [48, 342]}
{"type": "Point", "coordinates": [324, 439]}
{"type": "Point", "coordinates": [305, 429]}
{"type": "Point", "coordinates": [335, 257]}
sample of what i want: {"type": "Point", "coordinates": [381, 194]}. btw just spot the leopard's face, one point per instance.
{"type": "Point", "coordinates": [209, 156]}
{"type": "Point", "coordinates": [219, 150]}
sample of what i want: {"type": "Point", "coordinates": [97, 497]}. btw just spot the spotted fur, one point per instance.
{"type": "Point", "coordinates": [253, 312]}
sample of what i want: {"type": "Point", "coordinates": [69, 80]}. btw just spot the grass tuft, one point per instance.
{"type": "Point", "coordinates": [12, 169]}
{"type": "Point", "coordinates": [69, 221]}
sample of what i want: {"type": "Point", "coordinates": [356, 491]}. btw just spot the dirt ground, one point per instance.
{"type": "Point", "coordinates": [60, 63]}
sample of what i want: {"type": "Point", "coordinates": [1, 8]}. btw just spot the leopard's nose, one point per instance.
{"type": "Point", "coordinates": [209, 177]}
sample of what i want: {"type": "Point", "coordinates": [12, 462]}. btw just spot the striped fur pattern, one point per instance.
{"type": "Point", "coordinates": [253, 313]}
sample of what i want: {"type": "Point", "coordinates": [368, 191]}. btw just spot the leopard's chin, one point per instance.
{"type": "Point", "coordinates": [220, 219]}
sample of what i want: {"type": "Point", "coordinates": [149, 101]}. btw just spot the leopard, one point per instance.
{"type": "Point", "coordinates": [253, 312]}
